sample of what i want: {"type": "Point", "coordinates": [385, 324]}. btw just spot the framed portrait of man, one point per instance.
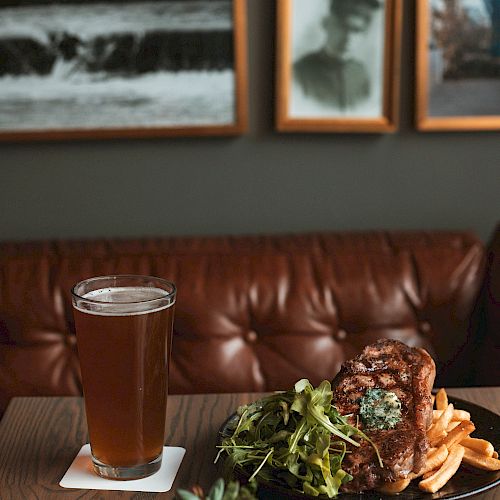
{"type": "Point", "coordinates": [338, 65]}
{"type": "Point", "coordinates": [458, 65]}
{"type": "Point", "coordinates": [94, 69]}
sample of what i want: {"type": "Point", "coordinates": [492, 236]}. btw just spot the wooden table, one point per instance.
{"type": "Point", "coordinates": [40, 437]}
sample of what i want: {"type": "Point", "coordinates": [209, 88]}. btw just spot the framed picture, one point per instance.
{"type": "Point", "coordinates": [458, 65]}
{"type": "Point", "coordinates": [338, 65]}
{"type": "Point", "coordinates": [122, 68]}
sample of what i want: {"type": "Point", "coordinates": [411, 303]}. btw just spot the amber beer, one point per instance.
{"type": "Point", "coordinates": [124, 332]}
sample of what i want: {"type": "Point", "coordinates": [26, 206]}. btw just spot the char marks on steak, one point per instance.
{"type": "Point", "coordinates": [407, 372]}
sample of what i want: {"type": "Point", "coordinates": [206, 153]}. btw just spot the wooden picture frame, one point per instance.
{"type": "Point", "coordinates": [441, 104]}
{"type": "Point", "coordinates": [219, 81]}
{"type": "Point", "coordinates": [384, 119]}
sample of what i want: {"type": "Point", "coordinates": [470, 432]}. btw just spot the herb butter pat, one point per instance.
{"type": "Point", "coordinates": [379, 409]}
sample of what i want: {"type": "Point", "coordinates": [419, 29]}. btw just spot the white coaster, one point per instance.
{"type": "Point", "coordinates": [81, 475]}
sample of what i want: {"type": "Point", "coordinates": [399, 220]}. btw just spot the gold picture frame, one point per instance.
{"type": "Point", "coordinates": [435, 95]}
{"type": "Point", "coordinates": [386, 116]}
{"type": "Point", "coordinates": [190, 72]}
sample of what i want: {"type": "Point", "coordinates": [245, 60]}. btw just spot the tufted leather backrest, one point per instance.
{"type": "Point", "coordinates": [253, 313]}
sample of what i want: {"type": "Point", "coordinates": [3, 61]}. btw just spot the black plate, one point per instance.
{"type": "Point", "coordinates": [465, 483]}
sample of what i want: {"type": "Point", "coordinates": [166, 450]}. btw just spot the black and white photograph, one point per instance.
{"type": "Point", "coordinates": [463, 59]}
{"type": "Point", "coordinates": [338, 55]}
{"type": "Point", "coordinates": [114, 65]}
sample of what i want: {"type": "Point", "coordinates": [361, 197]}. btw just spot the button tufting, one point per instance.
{"type": "Point", "coordinates": [341, 334]}
{"type": "Point", "coordinates": [425, 326]}
{"type": "Point", "coordinates": [251, 336]}
{"type": "Point", "coordinates": [70, 340]}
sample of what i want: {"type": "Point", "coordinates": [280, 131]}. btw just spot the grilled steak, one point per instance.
{"type": "Point", "coordinates": [406, 372]}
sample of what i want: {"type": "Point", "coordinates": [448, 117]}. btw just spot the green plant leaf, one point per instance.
{"type": "Point", "coordinates": [302, 385]}
{"type": "Point", "coordinates": [232, 491]}
{"type": "Point", "coordinates": [217, 490]}
{"type": "Point", "coordinates": [186, 495]}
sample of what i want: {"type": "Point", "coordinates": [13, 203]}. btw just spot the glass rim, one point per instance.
{"type": "Point", "coordinates": [168, 294]}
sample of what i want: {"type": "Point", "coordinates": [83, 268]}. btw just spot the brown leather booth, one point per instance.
{"type": "Point", "coordinates": [256, 313]}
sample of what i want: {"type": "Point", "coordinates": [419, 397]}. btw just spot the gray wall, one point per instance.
{"type": "Point", "coordinates": [261, 182]}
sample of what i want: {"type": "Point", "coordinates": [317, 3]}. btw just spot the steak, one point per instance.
{"type": "Point", "coordinates": [407, 372]}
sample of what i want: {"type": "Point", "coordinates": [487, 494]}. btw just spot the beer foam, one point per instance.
{"type": "Point", "coordinates": [124, 301]}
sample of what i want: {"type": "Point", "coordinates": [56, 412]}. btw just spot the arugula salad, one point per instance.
{"type": "Point", "coordinates": [295, 438]}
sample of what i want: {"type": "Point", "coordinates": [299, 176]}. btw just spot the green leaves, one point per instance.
{"type": "Point", "coordinates": [295, 438]}
{"type": "Point", "coordinates": [217, 490]}
{"type": "Point", "coordinates": [302, 384]}
{"type": "Point", "coordinates": [314, 403]}
{"type": "Point", "coordinates": [220, 491]}
{"type": "Point", "coordinates": [186, 495]}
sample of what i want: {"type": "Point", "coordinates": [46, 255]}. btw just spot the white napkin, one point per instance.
{"type": "Point", "coordinates": [81, 475]}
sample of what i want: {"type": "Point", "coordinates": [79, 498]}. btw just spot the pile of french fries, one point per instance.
{"type": "Point", "coordinates": [450, 444]}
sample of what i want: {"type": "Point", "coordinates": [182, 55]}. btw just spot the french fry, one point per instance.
{"type": "Point", "coordinates": [429, 474]}
{"type": "Point", "coordinates": [434, 460]}
{"type": "Point", "coordinates": [480, 446]}
{"type": "Point", "coordinates": [449, 437]}
{"type": "Point", "coordinates": [451, 426]}
{"type": "Point", "coordinates": [433, 399]}
{"type": "Point", "coordinates": [435, 433]}
{"type": "Point", "coordinates": [457, 434]}
{"type": "Point", "coordinates": [436, 440]}
{"type": "Point", "coordinates": [441, 400]}
{"type": "Point", "coordinates": [445, 472]}
{"type": "Point", "coordinates": [480, 461]}
{"type": "Point", "coordinates": [458, 415]}
{"type": "Point", "coordinates": [394, 488]}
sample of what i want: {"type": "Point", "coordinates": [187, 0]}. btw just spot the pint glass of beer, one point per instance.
{"type": "Point", "coordinates": [124, 336]}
